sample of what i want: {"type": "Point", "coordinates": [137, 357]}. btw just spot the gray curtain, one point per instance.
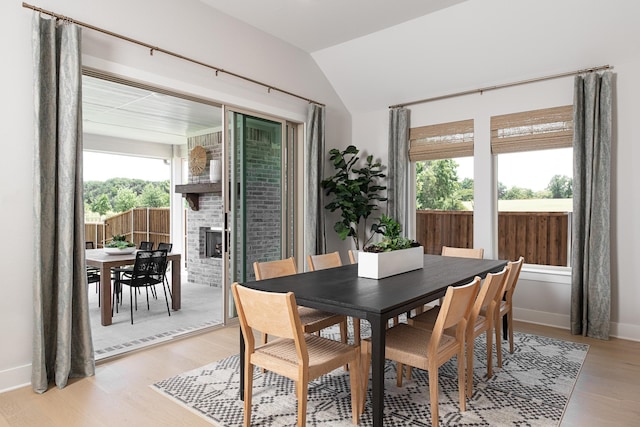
{"type": "Point", "coordinates": [397, 187]}
{"type": "Point", "coordinates": [590, 261]}
{"type": "Point", "coordinates": [62, 346]}
{"type": "Point", "coordinates": [314, 219]}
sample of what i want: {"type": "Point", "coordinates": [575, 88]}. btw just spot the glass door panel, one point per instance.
{"type": "Point", "coordinates": [259, 225]}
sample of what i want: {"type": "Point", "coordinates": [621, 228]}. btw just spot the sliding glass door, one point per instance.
{"type": "Point", "coordinates": [260, 223]}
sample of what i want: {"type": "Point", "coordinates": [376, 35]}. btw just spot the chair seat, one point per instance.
{"type": "Point", "coordinates": [325, 355]}
{"type": "Point", "coordinates": [408, 345]}
{"type": "Point", "coordinates": [314, 320]}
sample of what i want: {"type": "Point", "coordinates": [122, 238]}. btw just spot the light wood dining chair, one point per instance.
{"type": "Point", "coordinates": [294, 354]}
{"type": "Point", "coordinates": [481, 321]}
{"type": "Point", "coordinates": [352, 257]}
{"type": "Point", "coordinates": [463, 252]}
{"type": "Point", "coordinates": [505, 298]}
{"type": "Point", "coordinates": [428, 350]}
{"type": "Point", "coordinates": [332, 260]}
{"type": "Point", "coordinates": [313, 320]}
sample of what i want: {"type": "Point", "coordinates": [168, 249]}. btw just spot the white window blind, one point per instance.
{"type": "Point", "coordinates": [441, 141]}
{"type": "Point", "coordinates": [532, 130]}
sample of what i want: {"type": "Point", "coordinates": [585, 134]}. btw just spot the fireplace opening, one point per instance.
{"type": "Point", "coordinates": [213, 243]}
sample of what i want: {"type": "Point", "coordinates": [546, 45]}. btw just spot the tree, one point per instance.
{"type": "Point", "coordinates": [561, 187]}
{"type": "Point", "coordinates": [356, 193]}
{"type": "Point", "coordinates": [437, 185]}
{"type": "Point", "coordinates": [125, 199]}
{"type": "Point", "coordinates": [153, 197]}
{"type": "Point", "coordinates": [465, 192]}
{"type": "Point", "coordinates": [518, 193]}
{"type": "Point", "coordinates": [101, 205]}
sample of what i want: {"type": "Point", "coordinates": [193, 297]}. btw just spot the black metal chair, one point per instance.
{"type": "Point", "coordinates": [148, 271]}
{"type": "Point", "coordinates": [146, 246]}
{"type": "Point", "coordinates": [166, 247]}
{"type": "Point", "coordinates": [93, 273]}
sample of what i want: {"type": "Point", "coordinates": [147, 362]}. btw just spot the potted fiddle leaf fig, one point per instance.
{"type": "Point", "coordinates": [356, 191]}
{"type": "Point", "coordinates": [394, 254]}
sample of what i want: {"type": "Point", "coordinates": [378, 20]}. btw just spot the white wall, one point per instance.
{"type": "Point", "coordinates": [186, 27]}
{"type": "Point", "coordinates": [553, 37]}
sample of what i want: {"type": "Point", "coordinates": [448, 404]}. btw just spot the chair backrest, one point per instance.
{"type": "Point", "coordinates": [352, 257]}
{"type": "Point", "coordinates": [88, 245]}
{"type": "Point", "coordinates": [270, 312]}
{"type": "Point", "coordinates": [488, 295]}
{"type": "Point", "coordinates": [320, 262]}
{"type": "Point", "coordinates": [455, 311]}
{"type": "Point", "coordinates": [146, 246]}
{"type": "Point", "coordinates": [141, 266]}
{"type": "Point", "coordinates": [158, 265]}
{"type": "Point", "coordinates": [513, 268]}
{"type": "Point", "coordinates": [165, 247]}
{"type": "Point", "coordinates": [278, 268]}
{"type": "Point", "coordinates": [463, 252]}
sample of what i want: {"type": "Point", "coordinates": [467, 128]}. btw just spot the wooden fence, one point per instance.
{"type": "Point", "coordinates": [540, 237]}
{"type": "Point", "coordinates": [137, 225]}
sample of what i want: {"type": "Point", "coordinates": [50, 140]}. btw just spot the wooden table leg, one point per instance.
{"type": "Point", "coordinates": [105, 296]}
{"type": "Point", "coordinates": [175, 284]}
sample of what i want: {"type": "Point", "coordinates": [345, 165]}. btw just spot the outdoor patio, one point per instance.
{"type": "Point", "coordinates": [201, 308]}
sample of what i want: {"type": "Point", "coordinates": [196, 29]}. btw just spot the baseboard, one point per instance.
{"type": "Point", "coordinates": [562, 321]}
{"type": "Point", "coordinates": [11, 379]}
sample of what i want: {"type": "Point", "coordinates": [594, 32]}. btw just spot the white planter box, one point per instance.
{"type": "Point", "coordinates": [385, 264]}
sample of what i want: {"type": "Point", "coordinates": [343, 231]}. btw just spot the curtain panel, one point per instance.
{"type": "Point", "coordinates": [397, 185]}
{"type": "Point", "coordinates": [591, 251]}
{"type": "Point", "coordinates": [314, 219]}
{"type": "Point", "coordinates": [62, 346]}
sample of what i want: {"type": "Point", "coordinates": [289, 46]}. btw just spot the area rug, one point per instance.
{"type": "Point", "coordinates": [531, 389]}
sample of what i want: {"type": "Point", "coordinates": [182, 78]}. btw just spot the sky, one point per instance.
{"type": "Point", "coordinates": [533, 169]}
{"type": "Point", "coordinates": [101, 166]}
{"type": "Point", "coordinates": [527, 170]}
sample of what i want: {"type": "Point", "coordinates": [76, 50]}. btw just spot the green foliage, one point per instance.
{"type": "Point", "coordinates": [561, 187]}
{"type": "Point", "coordinates": [93, 190]}
{"type": "Point", "coordinates": [356, 192]}
{"type": "Point", "coordinates": [101, 205]}
{"type": "Point", "coordinates": [125, 199]}
{"type": "Point", "coordinates": [119, 241]}
{"type": "Point", "coordinates": [392, 240]}
{"type": "Point", "coordinates": [437, 185]}
{"type": "Point", "coordinates": [153, 197]}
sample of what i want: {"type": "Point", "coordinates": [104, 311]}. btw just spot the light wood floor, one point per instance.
{"type": "Point", "coordinates": [607, 392]}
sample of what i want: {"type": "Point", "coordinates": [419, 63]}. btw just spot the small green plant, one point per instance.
{"type": "Point", "coordinates": [391, 240]}
{"type": "Point", "coordinates": [119, 241]}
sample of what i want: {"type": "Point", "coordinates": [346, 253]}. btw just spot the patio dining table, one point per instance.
{"type": "Point", "coordinates": [105, 262]}
{"type": "Point", "coordinates": [339, 290]}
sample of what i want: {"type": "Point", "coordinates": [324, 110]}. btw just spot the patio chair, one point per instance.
{"type": "Point", "coordinates": [294, 354]}
{"type": "Point", "coordinates": [147, 272]}
{"type": "Point", "coordinates": [428, 350]}
{"type": "Point", "coordinates": [166, 247]}
{"type": "Point", "coordinates": [93, 273]}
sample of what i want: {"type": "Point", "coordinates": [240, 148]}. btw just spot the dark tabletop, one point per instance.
{"type": "Point", "coordinates": [340, 290]}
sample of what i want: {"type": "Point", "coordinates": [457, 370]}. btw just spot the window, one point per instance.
{"type": "Point", "coordinates": [535, 173]}
{"type": "Point", "coordinates": [444, 184]}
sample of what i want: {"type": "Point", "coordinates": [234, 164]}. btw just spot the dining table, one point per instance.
{"type": "Point", "coordinates": [340, 290]}
{"type": "Point", "coordinates": [106, 261]}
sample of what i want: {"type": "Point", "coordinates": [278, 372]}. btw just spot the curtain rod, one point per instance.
{"type": "Point", "coordinates": [167, 52]}
{"type": "Point", "coordinates": [502, 86]}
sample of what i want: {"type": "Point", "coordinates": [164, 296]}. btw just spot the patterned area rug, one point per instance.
{"type": "Point", "coordinates": [531, 389]}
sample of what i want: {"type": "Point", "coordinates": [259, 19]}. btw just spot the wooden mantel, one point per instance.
{"type": "Point", "coordinates": [192, 192]}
